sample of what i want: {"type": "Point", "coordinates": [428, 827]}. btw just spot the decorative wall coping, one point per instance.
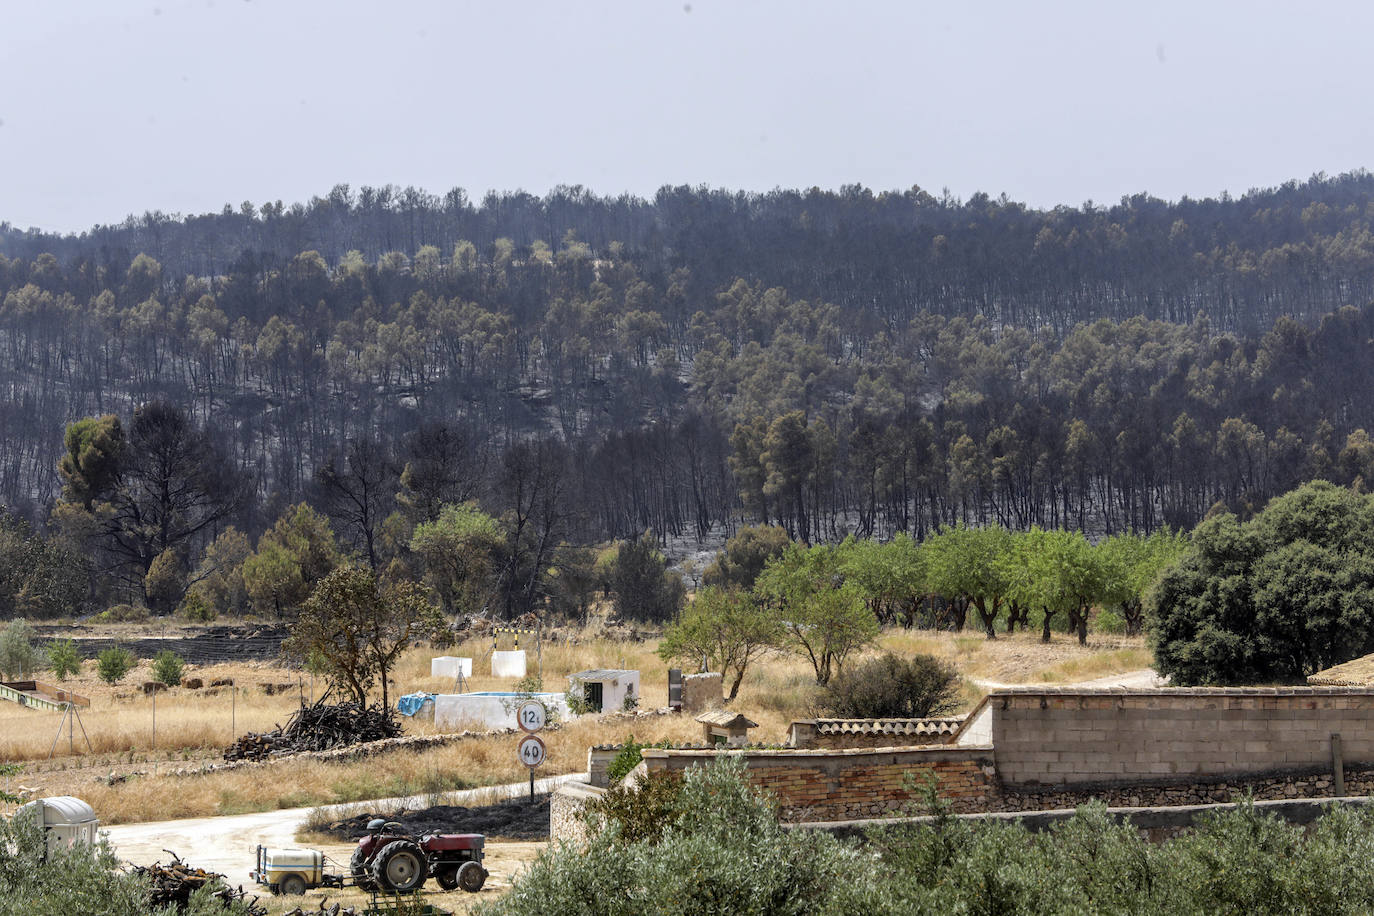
{"type": "Point", "coordinates": [935, 751]}
{"type": "Point", "coordinates": [940, 725]}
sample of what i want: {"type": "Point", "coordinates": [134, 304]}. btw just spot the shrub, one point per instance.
{"type": "Point", "coordinates": [641, 812]}
{"type": "Point", "coordinates": [64, 659]}
{"type": "Point", "coordinates": [113, 663]}
{"type": "Point", "coordinates": [628, 758]}
{"type": "Point", "coordinates": [714, 845]}
{"type": "Point", "coordinates": [195, 609]}
{"type": "Point", "coordinates": [82, 879]}
{"type": "Point", "coordinates": [124, 613]}
{"type": "Point", "coordinates": [18, 657]}
{"type": "Point", "coordinates": [893, 687]}
{"type": "Point", "coordinates": [167, 668]}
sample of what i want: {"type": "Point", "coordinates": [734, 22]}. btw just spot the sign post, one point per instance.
{"type": "Point", "coordinates": [531, 717]}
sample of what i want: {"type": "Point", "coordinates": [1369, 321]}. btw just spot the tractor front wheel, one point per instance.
{"type": "Point", "coordinates": [400, 867]}
{"type": "Point", "coordinates": [471, 877]}
{"type": "Point", "coordinates": [357, 867]}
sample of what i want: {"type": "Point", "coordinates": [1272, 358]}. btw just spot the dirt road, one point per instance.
{"type": "Point", "coordinates": [1145, 677]}
{"type": "Point", "coordinates": [226, 844]}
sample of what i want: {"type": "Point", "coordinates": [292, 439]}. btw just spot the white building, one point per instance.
{"type": "Point", "coordinates": [607, 689]}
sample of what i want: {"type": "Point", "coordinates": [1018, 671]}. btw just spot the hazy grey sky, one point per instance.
{"type": "Point", "coordinates": [109, 107]}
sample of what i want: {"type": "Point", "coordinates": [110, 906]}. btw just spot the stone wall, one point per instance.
{"type": "Point", "coordinates": [701, 692]}
{"type": "Point", "coordinates": [1069, 737]}
{"type": "Point", "coordinates": [566, 807]}
{"type": "Point", "coordinates": [827, 785]}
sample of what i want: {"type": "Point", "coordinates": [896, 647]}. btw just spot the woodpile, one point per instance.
{"type": "Point", "coordinates": [173, 885]}
{"type": "Point", "coordinates": [319, 727]}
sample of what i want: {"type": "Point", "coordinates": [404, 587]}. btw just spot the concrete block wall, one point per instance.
{"type": "Point", "coordinates": [834, 784]}
{"type": "Point", "coordinates": [1074, 737]}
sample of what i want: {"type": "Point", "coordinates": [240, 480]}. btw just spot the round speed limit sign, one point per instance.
{"type": "Point", "coordinates": [531, 716]}
{"type": "Point", "coordinates": [531, 751]}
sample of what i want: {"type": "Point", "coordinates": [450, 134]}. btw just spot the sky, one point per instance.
{"type": "Point", "coordinates": [113, 107]}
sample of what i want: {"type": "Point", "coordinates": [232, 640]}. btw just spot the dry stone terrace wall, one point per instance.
{"type": "Point", "coordinates": [830, 784]}
{"type": "Point", "coordinates": [1066, 738]}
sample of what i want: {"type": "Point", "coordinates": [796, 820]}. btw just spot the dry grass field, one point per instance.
{"type": "Point", "coordinates": [193, 725]}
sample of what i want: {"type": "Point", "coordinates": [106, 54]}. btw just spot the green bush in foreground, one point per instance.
{"type": "Point", "coordinates": [80, 880]}
{"type": "Point", "coordinates": [719, 849]}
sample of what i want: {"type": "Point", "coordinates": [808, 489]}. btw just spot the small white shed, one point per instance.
{"type": "Point", "coordinates": [608, 689]}
{"type": "Point", "coordinates": [66, 820]}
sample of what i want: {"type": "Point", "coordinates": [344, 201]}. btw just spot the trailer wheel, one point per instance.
{"type": "Point", "coordinates": [471, 877]}
{"type": "Point", "coordinates": [400, 866]}
{"type": "Point", "coordinates": [293, 885]}
{"type": "Point", "coordinates": [357, 867]}
{"type": "Point", "coordinates": [447, 878]}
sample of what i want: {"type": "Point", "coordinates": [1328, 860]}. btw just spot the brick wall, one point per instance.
{"type": "Point", "coordinates": [1073, 737]}
{"type": "Point", "coordinates": [827, 785]}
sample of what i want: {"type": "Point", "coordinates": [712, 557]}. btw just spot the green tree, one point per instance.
{"type": "Point", "coordinates": [292, 557]}
{"type": "Point", "coordinates": [974, 565]}
{"type": "Point", "coordinates": [824, 618]}
{"type": "Point", "coordinates": [165, 583]}
{"type": "Point", "coordinates": [1273, 599]}
{"type": "Point", "coordinates": [1064, 575]}
{"type": "Point", "coordinates": [113, 663]}
{"type": "Point", "coordinates": [64, 659]}
{"type": "Point", "coordinates": [167, 668]}
{"type": "Point", "coordinates": [219, 577]}
{"type": "Point", "coordinates": [1132, 565]}
{"type": "Point", "coordinates": [18, 657]}
{"type": "Point", "coordinates": [358, 626]}
{"type": "Point", "coordinates": [641, 585]}
{"type": "Point", "coordinates": [745, 555]}
{"type": "Point", "coordinates": [459, 551]}
{"type": "Point", "coordinates": [892, 577]}
{"type": "Point", "coordinates": [158, 486]}
{"type": "Point", "coordinates": [724, 629]}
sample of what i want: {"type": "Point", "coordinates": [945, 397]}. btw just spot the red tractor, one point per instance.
{"type": "Point", "coordinates": [390, 860]}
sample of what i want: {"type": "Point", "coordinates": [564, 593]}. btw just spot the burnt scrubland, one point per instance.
{"type": "Point", "coordinates": [583, 369]}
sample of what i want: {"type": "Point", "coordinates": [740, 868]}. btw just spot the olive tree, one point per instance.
{"type": "Point", "coordinates": [724, 628]}
{"type": "Point", "coordinates": [357, 626]}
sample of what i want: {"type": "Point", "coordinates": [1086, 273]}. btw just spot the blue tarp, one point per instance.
{"type": "Point", "coordinates": [412, 703]}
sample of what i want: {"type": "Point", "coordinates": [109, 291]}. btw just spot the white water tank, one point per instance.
{"type": "Point", "coordinates": [450, 666]}
{"type": "Point", "coordinates": [508, 664]}
{"type": "Point", "coordinates": [66, 820]}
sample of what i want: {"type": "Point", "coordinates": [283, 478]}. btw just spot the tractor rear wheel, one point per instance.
{"type": "Point", "coordinates": [471, 877]}
{"type": "Point", "coordinates": [357, 867]}
{"type": "Point", "coordinates": [400, 866]}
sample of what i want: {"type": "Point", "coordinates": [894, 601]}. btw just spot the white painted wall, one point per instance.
{"type": "Point", "coordinates": [614, 691]}
{"type": "Point", "coordinates": [457, 711]}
